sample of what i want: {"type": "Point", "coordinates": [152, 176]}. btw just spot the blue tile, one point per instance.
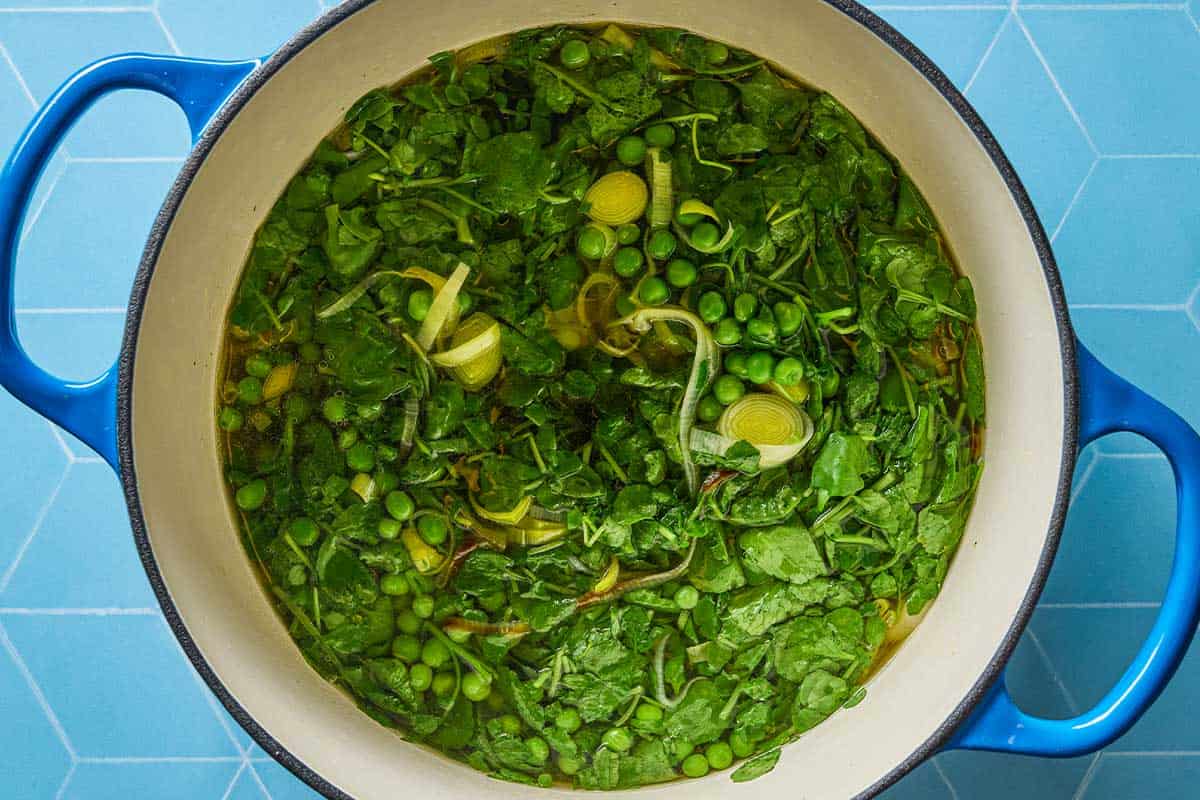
{"type": "Point", "coordinates": [111, 680]}
{"type": "Point", "coordinates": [126, 124]}
{"type": "Point", "coordinates": [993, 776]}
{"type": "Point", "coordinates": [1153, 349]}
{"type": "Point", "coordinates": [72, 346]}
{"type": "Point", "coordinates": [234, 28]}
{"type": "Point", "coordinates": [247, 787]}
{"type": "Point", "coordinates": [1090, 648]}
{"type": "Point", "coordinates": [1145, 776]}
{"type": "Point", "coordinates": [35, 761]}
{"type": "Point", "coordinates": [1154, 255]}
{"type": "Point", "coordinates": [16, 109]}
{"type": "Point", "coordinates": [923, 783]}
{"type": "Point", "coordinates": [1119, 536]}
{"type": "Point", "coordinates": [26, 491]}
{"type": "Point", "coordinates": [281, 784]}
{"type": "Point", "coordinates": [954, 40]}
{"type": "Point", "coordinates": [161, 781]}
{"type": "Point", "coordinates": [83, 555]}
{"type": "Point", "coordinates": [1049, 151]}
{"type": "Point", "coordinates": [1031, 681]}
{"type": "Point", "coordinates": [82, 253]}
{"type": "Point", "coordinates": [1130, 74]}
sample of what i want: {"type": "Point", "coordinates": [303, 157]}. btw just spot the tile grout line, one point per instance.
{"type": "Point", "coordinates": [1148, 156]}
{"type": "Point", "coordinates": [31, 219]}
{"type": "Point", "coordinates": [7, 644]}
{"type": "Point", "coordinates": [1153, 754]}
{"type": "Point", "coordinates": [62, 787]}
{"type": "Point", "coordinates": [987, 53]}
{"type": "Point", "coordinates": [1077, 487]}
{"type": "Point", "coordinates": [1173, 307]}
{"type": "Point", "coordinates": [1088, 776]}
{"type": "Point", "coordinates": [258, 779]}
{"type": "Point", "coordinates": [62, 443]}
{"type": "Point", "coordinates": [214, 706]}
{"type": "Point", "coordinates": [937, 767]}
{"type": "Point", "coordinates": [1037, 51]}
{"type": "Point", "coordinates": [12, 65]}
{"type": "Point", "coordinates": [233, 781]}
{"type": "Point", "coordinates": [1103, 6]}
{"type": "Point", "coordinates": [1074, 200]}
{"type": "Point", "coordinates": [166, 31]}
{"type": "Point", "coordinates": [1072, 706]}
{"type": "Point", "coordinates": [37, 524]}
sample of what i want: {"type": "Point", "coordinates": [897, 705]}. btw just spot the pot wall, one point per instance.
{"type": "Point", "coordinates": [175, 378]}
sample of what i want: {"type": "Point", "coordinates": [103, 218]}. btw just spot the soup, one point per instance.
{"type": "Point", "coordinates": [602, 406]}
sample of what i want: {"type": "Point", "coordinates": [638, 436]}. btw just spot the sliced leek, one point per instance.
{"type": "Point", "coordinates": [661, 189]}
{"type": "Point", "coordinates": [511, 517]}
{"type": "Point", "coordinates": [777, 428]}
{"type": "Point", "coordinates": [474, 355]}
{"type": "Point", "coordinates": [616, 198]}
{"type": "Point", "coordinates": [443, 312]}
{"type": "Point", "coordinates": [426, 559]}
{"type": "Point", "coordinates": [704, 364]}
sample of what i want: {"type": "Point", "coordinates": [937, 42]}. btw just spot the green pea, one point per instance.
{"type": "Point", "coordinates": [631, 150]}
{"type": "Point", "coordinates": [681, 273]}
{"type": "Point", "coordinates": [705, 236]}
{"type": "Point", "coordinates": [789, 371]}
{"type": "Point", "coordinates": [661, 245]}
{"type": "Point", "coordinates": [419, 303]}
{"type": "Point", "coordinates": [393, 585]}
{"type": "Point", "coordinates": [510, 724]}
{"type": "Point", "coordinates": [304, 531]}
{"type": "Point", "coordinates": [648, 713]}
{"type": "Point", "coordinates": [628, 233]}
{"type": "Point", "coordinates": [568, 720]}
{"type": "Point", "coordinates": [230, 419]}
{"type": "Point", "coordinates": [591, 243]}
{"type": "Point", "coordinates": [251, 496]}
{"type": "Point", "coordinates": [335, 409]}
{"type": "Point", "coordinates": [654, 291]}
{"type": "Point", "coordinates": [249, 390]}
{"type": "Point", "coordinates": [829, 383]}
{"type": "Point", "coordinates": [762, 329]}
{"type": "Point", "coordinates": [408, 622]}
{"type": "Point", "coordinates": [539, 751]}
{"type": "Point", "coordinates": [406, 648]}
{"type": "Point", "coordinates": [258, 365]}
{"type": "Point", "coordinates": [388, 528]}
{"type": "Point", "coordinates": [711, 307]}
{"type": "Point", "coordinates": [735, 364]}
{"type": "Point", "coordinates": [715, 53]}
{"type": "Point", "coordinates": [399, 505]}
{"type": "Point", "coordinates": [683, 749]}
{"type": "Point", "coordinates": [728, 332]}
{"type": "Point", "coordinates": [789, 317]}
{"type": "Point", "coordinates": [347, 438]}
{"type": "Point", "coordinates": [545, 780]}
{"type": "Point", "coordinates": [687, 597]}
{"type": "Point", "coordinates": [420, 677]}
{"type": "Point", "coordinates": [434, 653]}
{"type": "Point", "coordinates": [361, 457]}
{"type": "Point", "coordinates": [740, 745]}
{"type": "Point", "coordinates": [433, 529]}
{"type": "Point", "coordinates": [575, 54]}
{"type": "Point", "coordinates": [625, 305]}
{"type": "Point", "coordinates": [686, 218]}
{"type": "Point", "coordinates": [443, 684]}
{"type": "Point", "coordinates": [728, 389]}
{"type": "Point", "coordinates": [627, 262]}
{"type": "Point", "coordinates": [744, 306]}
{"type": "Point", "coordinates": [660, 135]}
{"type": "Point", "coordinates": [423, 606]}
{"type": "Point", "coordinates": [709, 408]}
{"type": "Point", "coordinates": [568, 765]}
{"type": "Point", "coordinates": [385, 480]}
{"type": "Point", "coordinates": [718, 755]}
{"type": "Point", "coordinates": [759, 367]}
{"type": "Point", "coordinates": [617, 739]}
{"type": "Point", "coordinates": [695, 766]}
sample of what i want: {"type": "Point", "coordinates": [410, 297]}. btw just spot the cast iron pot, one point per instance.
{"type": "Point", "coordinates": [256, 122]}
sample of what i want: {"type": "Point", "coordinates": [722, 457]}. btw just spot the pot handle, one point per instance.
{"type": "Point", "coordinates": [1109, 403]}
{"type": "Point", "coordinates": [88, 409]}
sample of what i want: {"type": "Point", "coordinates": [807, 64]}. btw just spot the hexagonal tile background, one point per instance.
{"type": "Point", "coordinates": [1096, 105]}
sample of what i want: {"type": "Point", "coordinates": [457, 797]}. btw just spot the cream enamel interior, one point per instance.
{"type": "Point", "coordinates": [189, 522]}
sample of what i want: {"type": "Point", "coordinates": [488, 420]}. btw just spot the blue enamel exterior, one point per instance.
{"type": "Point", "coordinates": [1108, 404]}
{"type": "Point", "coordinates": [88, 409]}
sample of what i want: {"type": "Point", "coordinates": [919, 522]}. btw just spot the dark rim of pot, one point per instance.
{"type": "Point", "coordinates": [277, 60]}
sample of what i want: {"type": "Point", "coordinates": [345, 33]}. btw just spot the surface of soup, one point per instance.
{"type": "Point", "coordinates": [601, 407]}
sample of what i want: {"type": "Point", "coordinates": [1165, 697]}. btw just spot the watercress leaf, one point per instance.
{"type": "Point", "coordinates": [786, 552]}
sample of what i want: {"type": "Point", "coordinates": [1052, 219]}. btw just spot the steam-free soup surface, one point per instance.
{"type": "Point", "coordinates": [601, 406]}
